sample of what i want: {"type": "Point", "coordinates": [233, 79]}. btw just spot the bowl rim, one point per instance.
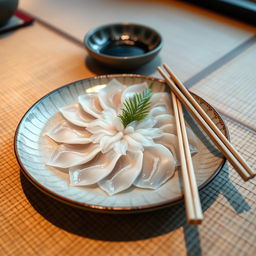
{"type": "Point", "coordinates": [99, 208]}
{"type": "Point", "coordinates": [94, 30]}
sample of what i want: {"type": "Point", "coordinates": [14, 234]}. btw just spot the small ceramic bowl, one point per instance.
{"type": "Point", "coordinates": [7, 9]}
{"type": "Point", "coordinates": [123, 45]}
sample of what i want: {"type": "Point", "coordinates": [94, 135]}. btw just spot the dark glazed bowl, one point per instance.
{"type": "Point", "coordinates": [7, 9]}
{"type": "Point", "coordinates": [123, 45]}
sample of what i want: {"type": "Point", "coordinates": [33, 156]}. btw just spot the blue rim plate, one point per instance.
{"type": "Point", "coordinates": [31, 147]}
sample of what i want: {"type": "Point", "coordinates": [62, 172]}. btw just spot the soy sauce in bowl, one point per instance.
{"type": "Point", "coordinates": [124, 48]}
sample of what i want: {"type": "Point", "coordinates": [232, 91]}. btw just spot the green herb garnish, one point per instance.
{"type": "Point", "coordinates": [136, 108]}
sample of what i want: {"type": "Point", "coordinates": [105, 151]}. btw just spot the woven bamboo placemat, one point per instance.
{"type": "Point", "coordinates": [32, 223]}
{"type": "Point", "coordinates": [232, 88]}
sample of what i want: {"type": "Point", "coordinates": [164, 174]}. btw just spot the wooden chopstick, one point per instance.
{"type": "Point", "coordinates": [190, 168]}
{"type": "Point", "coordinates": [190, 209]}
{"type": "Point", "coordinates": [206, 127]}
{"type": "Point", "coordinates": [209, 121]}
{"type": "Point", "coordinates": [191, 196]}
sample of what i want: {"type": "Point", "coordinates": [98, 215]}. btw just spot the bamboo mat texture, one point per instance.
{"type": "Point", "coordinates": [35, 61]}
{"type": "Point", "coordinates": [232, 88]}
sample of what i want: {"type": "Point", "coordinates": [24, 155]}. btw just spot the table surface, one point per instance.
{"type": "Point", "coordinates": [216, 58]}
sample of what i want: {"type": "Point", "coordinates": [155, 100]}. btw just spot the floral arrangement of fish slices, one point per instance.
{"type": "Point", "coordinates": [97, 148]}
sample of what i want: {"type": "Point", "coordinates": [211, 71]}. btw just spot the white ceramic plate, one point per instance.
{"type": "Point", "coordinates": [31, 148]}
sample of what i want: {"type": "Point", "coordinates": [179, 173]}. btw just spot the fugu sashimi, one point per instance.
{"type": "Point", "coordinates": [75, 115]}
{"type": "Point", "coordinates": [110, 96]}
{"type": "Point", "coordinates": [124, 174]}
{"type": "Point", "coordinates": [65, 132]}
{"type": "Point", "coordinates": [90, 104]}
{"type": "Point", "coordinates": [158, 167]}
{"type": "Point", "coordinates": [95, 170]}
{"type": "Point", "coordinates": [66, 156]}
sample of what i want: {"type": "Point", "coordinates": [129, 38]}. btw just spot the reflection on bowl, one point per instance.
{"type": "Point", "coordinates": [123, 45]}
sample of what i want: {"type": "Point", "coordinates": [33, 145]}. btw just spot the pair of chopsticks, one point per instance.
{"type": "Point", "coordinates": [181, 94]}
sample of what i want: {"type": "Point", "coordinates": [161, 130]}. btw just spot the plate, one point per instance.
{"type": "Point", "coordinates": [31, 147]}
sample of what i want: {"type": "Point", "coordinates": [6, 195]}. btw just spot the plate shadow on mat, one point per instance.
{"type": "Point", "coordinates": [103, 226]}
{"type": "Point", "coordinates": [100, 69]}
{"type": "Point", "coordinates": [131, 227]}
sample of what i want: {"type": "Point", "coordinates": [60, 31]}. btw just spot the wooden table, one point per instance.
{"type": "Point", "coordinates": [216, 58]}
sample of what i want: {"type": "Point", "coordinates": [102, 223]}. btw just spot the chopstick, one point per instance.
{"type": "Point", "coordinates": [208, 126]}
{"type": "Point", "coordinates": [191, 196]}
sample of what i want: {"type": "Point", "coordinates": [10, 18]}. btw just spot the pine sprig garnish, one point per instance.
{"type": "Point", "coordinates": [136, 108]}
